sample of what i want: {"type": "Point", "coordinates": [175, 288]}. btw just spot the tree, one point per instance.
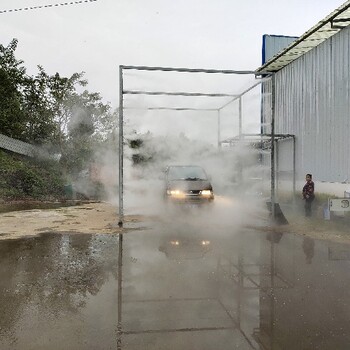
{"type": "Point", "coordinates": [24, 113]}
{"type": "Point", "coordinates": [41, 127]}
{"type": "Point", "coordinates": [12, 78]}
{"type": "Point", "coordinates": [51, 110]}
{"type": "Point", "coordinates": [81, 120]}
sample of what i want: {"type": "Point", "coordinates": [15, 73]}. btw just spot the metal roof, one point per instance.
{"type": "Point", "coordinates": [332, 24]}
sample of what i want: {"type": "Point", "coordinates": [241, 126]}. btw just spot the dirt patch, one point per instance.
{"type": "Point", "coordinates": [336, 230]}
{"type": "Point", "coordinates": [86, 218]}
{"type": "Point", "coordinates": [331, 231]}
{"type": "Point", "coordinates": [102, 217]}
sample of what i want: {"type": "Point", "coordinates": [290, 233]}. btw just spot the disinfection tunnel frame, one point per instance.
{"type": "Point", "coordinates": [263, 77]}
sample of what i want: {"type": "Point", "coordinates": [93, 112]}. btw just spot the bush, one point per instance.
{"type": "Point", "coordinates": [26, 178]}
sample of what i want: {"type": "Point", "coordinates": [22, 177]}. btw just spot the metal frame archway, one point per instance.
{"type": "Point", "coordinates": [122, 92]}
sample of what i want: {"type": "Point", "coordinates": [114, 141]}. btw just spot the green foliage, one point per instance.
{"type": "Point", "coordinates": [22, 178]}
{"type": "Point", "coordinates": [12, 77]}
{"type": "Point", "coordinates": [50, 110]}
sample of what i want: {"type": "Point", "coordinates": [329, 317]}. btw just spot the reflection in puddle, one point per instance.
{"type": "Point", "coordinates": [272, 291]}
{"type": "Point", "coordinates": [46, 280]}
{"type": "Point", "coordinates": [174, 289]}
{"type": "Point", "coordinates": [179, 247]}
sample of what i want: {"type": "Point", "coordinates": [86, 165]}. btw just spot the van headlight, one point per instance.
{"type": "Point", "coordinates": [206, 193]}
{"type": "Point", "coordinates": [175, 193]}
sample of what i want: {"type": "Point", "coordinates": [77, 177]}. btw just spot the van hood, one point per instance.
{"type": "Point", "coordinates": [187, 185]}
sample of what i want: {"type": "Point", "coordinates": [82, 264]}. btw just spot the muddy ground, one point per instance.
{"type": "Point", "coordinates": [93, 217]}
{"type": "Point", "coordinates": [102, 217]}
{"type": "Point", "coordinates": [172, 282]}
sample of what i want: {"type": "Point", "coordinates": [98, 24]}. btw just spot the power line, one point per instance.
{"type": "Point", "coordinates": [47, 6]}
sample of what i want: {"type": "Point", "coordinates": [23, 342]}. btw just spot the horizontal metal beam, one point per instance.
{"type": "Point", "coordinates": [173, 109]}
{"type": "Point", "coordinates": [244, 92]}
{"type": "Point", "coordinates": [282, 136]}
{"type": "Point", "coordinates": [265, 136]}
{"type": "Point", "coordinates": [189, 70]}
{"type": "Point", "coordinates": [155, 93]}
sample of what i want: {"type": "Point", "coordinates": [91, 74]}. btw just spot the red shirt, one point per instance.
{"type": "Point", "coordinates": [308, 190]}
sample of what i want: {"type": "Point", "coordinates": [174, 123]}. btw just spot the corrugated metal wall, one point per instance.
{"type": "Point", "coordinates": [313, 103]}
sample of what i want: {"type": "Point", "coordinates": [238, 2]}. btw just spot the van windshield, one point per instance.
{"type": "Point", "coordinates": [189, 173]}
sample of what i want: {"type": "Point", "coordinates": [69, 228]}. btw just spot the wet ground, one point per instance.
{"type": "Point", "coordinates": [178, 284]}
{"type": "Point", "coordinates": [6, 207]}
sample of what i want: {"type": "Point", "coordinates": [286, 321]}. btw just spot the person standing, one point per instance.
{"type": "Point", "coordinates": [308, 194]}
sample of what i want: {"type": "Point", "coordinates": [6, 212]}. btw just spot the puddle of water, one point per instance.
{"type": "Point", "coordinates": [268, 291]}
{"type": "Point", "coordinates": [52, 288]}
{"type": "Point", "coordinates": [179, 287]}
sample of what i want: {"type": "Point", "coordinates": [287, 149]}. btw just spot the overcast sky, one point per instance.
{"type": "Point", "coordinates": [97, 37]}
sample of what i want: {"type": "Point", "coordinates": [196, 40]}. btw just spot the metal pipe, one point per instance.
{"type": "Point", "coordinates": [240, 118]}
{"type": "Point", "coordinates": [120, 276]}
{"type": "Point", "coordinates": [294, 166]}
{"type": "Point", "coordinates": [244, 92]}
{"type": "Point", "coordinates": [267, 136]}
{"type": "Point", "coordinates": [272, 294]}
{"type": "Point", "coordinates": [165, 93]}
{"type": "Point", "coordinates": [172, 109]}
{"type": "Point", "coordinates": [219, 126]}
{"type": "Point", "coordinates": [120, 290]}
{"type": "Point", "coordinates": [189, 70]}
{"type": "Point", "coordinates": [121, 150]}
{"type": "Point", "coordinates": [280, 136]}
{"type": "Point", "coordinates": [273, 194]}
{"type": "Point", "coordinates": [277, 172]}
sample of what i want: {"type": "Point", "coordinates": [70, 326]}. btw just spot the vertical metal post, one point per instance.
{"type": "Point", "coordinates": [219, 127]}
{"type": "Point", "coordinates": [294, 175]}
{"type": "Point", "coordinates": [120, 276]}
{"type": "Point", "coordinates": [240, 117]}
{"type": "Point", "coordinates": [240, 158]}
{"type": "Point", "coordinates": [273, 192]}
{"type": "Point", "coordinates": [272, 295]}
{"type": "Point", "coordinates": [121, 150]}
{"type": "Point", "coordinates": [120, 289]}
{"type": "Point", "coordinates": [240, 289]}
{"type": "Point", "coordinates": [277, 169]}
{"type": "Point", "coordinates": [262, 108]}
